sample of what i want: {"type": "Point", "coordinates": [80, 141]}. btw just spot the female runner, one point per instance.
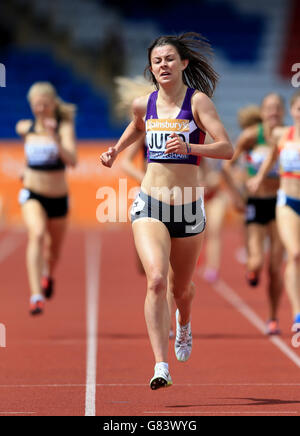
{"type": "Point", "coordinates": [248, 116]}
{"type": "Point", "coordinates": [216, 206]}
{"type": "Point", "coordinates": [128, 90]}
{"type": "Point", "coordinates": [49, 148]}
{"type": "Point", "coordinates": [167, 226]}
{"type": "Point", "coordinates": [260, 216]}
{"type": "Point", "coordinates": [211, 176]}
{"type": "Point", "coordinates": [286, 146]}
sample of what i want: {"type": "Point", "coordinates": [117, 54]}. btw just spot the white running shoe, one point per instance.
{"type": "Point", "coordinates": [184, 340]}
{"type": "Point", "coordinates": [161, 379]}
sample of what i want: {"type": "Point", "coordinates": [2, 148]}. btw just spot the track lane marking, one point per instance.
{"type": "Point", "coordinates": [17, 413]}
{"type": "Point", "coordinates": [9, 244]}
{"type": "Point", "coordinates": [227, 293]}
{"type": "Point", "coordinates": [93, 258]}
{"type": "Point", "coordinates": [186, 385]}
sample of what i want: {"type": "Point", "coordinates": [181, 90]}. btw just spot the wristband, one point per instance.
{"type": "Point", "coordinates": [188, 148]}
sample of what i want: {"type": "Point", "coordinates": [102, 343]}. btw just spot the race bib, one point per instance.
{"type": "Point", "coordinates": [257, 158]}
{"type": "Point", "coordinates": [290, 157]}
{"type": "Point", "coordinates": [158, 133]}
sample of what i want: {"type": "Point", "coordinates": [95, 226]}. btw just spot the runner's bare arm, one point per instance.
{"type": "Point", "coordinates": [207, 117]}
{"type": "Point", "coordinates": [23, 126]}
{"type": "Point", "coordinates": [245, 142]}
{"type": "Point", "coordinates": [134, 132]}
{"type": "Point", "coordinates": [221, 147]}
{"type": "Point", "coordinates": [128, 164]}
{"type": "Point", "coordinates": [67, 143]}
{"type": "Point", "coordinates": [136, 128]}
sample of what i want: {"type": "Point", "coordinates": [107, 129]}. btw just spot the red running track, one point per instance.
{"type": "Point", "coordinates": [89, 354]}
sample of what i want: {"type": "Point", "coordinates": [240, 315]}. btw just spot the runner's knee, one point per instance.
{"type": "Point", "coordinates": [184, 292]}
{"type": "Point", "coordinates": [36, 234]}
{"type": "Point", "coordinates": [157, 283]}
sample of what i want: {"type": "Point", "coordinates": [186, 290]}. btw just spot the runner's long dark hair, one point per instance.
{"type": "Point", "coordinates": [193, 47]}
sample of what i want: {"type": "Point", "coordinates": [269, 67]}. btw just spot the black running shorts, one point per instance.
{"type": "Point", "coordinates": [182, 221]}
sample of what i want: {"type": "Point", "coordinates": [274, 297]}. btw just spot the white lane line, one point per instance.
{"type": "Point", "coordinates": [228, 294]}
{"type": "Point", "coordinates": [187, 385]}
{"type": "Point", "coordinates": [93, 256]}
{"type": "Point", "coordinates": [41, 386]}
{"type": "Point", "coordinates": [17, 413]}
{"type": "Point", "coordinates": [9, 244]}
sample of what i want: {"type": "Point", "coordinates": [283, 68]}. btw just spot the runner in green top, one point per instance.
{"type": "Point", "coordinates": [261, 208]}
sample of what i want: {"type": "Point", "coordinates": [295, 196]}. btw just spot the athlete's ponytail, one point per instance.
{"type": "Point", "coordinates": [64, 111]}
{"type": "Point", "coordinates": [127, 91]}
{"type": "Point", "coordinates": [249, 116]}
{"type": "Point", "coordinates": [193, 47]}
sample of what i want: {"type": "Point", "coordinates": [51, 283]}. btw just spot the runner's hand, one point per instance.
{"type": "Point", "coordinates": [254, 184]}
{"type": "Point", "coordinates": [175, 145]}
{"type": "Point", "coordinates": [109, 157]}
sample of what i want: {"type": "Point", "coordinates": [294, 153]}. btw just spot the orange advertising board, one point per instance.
{"type": "Point", "coordinates": [90, 184]}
